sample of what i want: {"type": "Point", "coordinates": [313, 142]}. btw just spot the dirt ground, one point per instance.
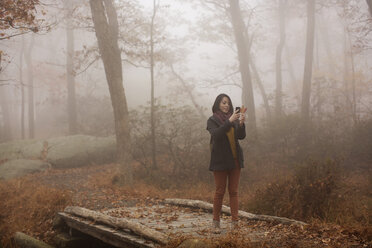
{"type": "Point", "coordinates": [44, 194]}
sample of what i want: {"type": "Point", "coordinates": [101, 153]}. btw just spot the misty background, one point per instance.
{"type": "Point", "coordinates": [302, 69]}
{"type": "Point", "coordinates": [196, 39]}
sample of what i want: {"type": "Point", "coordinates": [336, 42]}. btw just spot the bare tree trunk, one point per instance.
{"type": "Point", "coordinates": [324, 37]}
{"type": "Point", "coordinates": [22, 89]}
{"type": "Point", "coordinates": [349, 101]}
{"type": "Point", "coordinates": [22, 240]}
{"type": "Point", "coordinates": [265, 99]}
{"type": "Point", "coordinates": [153, 138]}
{"type": "Point", "coordinates": [279, 51]}
{"type": "Point", "coordinates": [354, 106]}
{"type": "Point", "coordinates": [30, 88]}
{"type": "Point", "coordinates": [319, 98]}
{"type": "Point", "coordinates": [4, 106]}
{"type": "Point", "coordinates": [306, 90]}
{"type": "Point", "coordinates": [369, 2]}
{"type": "Point", "coordinates": [119, 223]}
{"type": "Point", "coordinates": [106, 27]}
{"type": "Point", "coordinates": [248, 97]}
{"type": "Point", "coordinates": [70, 73]}
{"type": "Point", "coordinates": [349, 58]}
{"type": "Point", "coordinates": [295, 86]}
{"type": "Point", "coordinates": [256, 75]}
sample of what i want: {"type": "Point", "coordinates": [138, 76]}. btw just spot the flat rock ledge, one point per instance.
{"type": "Point", "coordinates": [20, 167]}
{"type": "Point", "coordinates": [18, 158]}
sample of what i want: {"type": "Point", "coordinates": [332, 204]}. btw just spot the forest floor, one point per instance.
{"type": "Point", "coordinates": [29, 204]}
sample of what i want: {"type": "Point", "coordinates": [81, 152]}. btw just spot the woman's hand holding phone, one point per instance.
{"type": "Point", "coordinates": [234, 116]}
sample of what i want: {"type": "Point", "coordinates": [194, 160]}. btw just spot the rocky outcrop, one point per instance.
{"type": "Point", "coordinates": [21, 149]}
{"type": "Point", "coordinates": [80, 150]}
{"type": "Point", "coordinates": [18, 158]}
{"type": "Point", "coordinates": [20, 167]}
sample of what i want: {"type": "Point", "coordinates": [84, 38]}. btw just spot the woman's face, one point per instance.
{"type": "Point", "coordinates": [225, 105]}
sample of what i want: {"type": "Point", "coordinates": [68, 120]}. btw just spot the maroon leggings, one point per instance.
{"type": "Point", "coordinates": [220, 179]}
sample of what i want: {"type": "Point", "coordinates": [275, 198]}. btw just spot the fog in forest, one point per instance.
{"type": "Point", "coordinates": [143, 75]}
{"type": "Point", "coordinates": [197, 39]}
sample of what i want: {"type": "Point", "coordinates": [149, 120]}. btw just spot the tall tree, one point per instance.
{"type": "Point", "coordinates": [295, 87]}
{"type": "Point", "coordinates": [106, 27]}
{"type": "Point", "coordinates": [30, 87]}
{"type": "Point", "coordinates": [323, 33]}
{"type": "Point", "coordinates": [22, 89]}
{"type": "Point", "coordinates": [306, 88]}
{"type": "Point", "coordinates": [260, 85]}
{"type": "Point", "coordinates": [226, 25]}
{"type": "Point", "coordinates": [357, 29]}
{"type": "Point", "coordinates": [5, 132]}
{"type": "Point", "coordinates": [257, 78]}
{"type": "Point", "coordinates": [70, 72]}
{"type": "Point", "coordinates": [17, 18]}
{"type": "Point", "coordinates": [279, 52]}
{"type": "Point", "coordinates": [369, 2]}
{"type": "Point", "coordinates": [243, 55]}
{"type": "Point", "coordinates": [349, 79]}
{"type": "Point", "coordinates": [152, 65]}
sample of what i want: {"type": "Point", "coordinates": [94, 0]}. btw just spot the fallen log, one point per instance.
{"type": "Point", "coordinates": [209, 207]}
{"type": "Point", "coordinates": [118, 223]}
{"type": "Point", "coordinates": [24, 241]}
{"type": "Point", "coordinates": [107, 234]}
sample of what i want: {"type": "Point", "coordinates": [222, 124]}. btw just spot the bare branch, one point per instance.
{"type": "Point", "coordinates": [10, 36]}
{"type": "Point", "coordinates": [89, 65]}
{"type": "Point", "coordinates": [135, 65]}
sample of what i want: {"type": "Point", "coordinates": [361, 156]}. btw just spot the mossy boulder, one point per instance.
{"type": "Point", "coordinates": [80, 150]}
{"type": "Point", "coordinates": [21, 149]}
{"type": "Point", "coordinates": [60, 152]}
{"type": "Point", "coordinates": [20, 167]}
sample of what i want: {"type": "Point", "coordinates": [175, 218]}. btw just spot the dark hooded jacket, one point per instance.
{"type": "Point", "coordinates": [221, 154]}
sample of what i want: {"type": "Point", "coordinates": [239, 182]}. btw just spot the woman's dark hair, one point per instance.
{"type": "Point", "coordinates": [216, 105]}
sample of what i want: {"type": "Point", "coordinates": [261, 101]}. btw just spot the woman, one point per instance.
{"type": "Point", "coordinates": [225, 128]}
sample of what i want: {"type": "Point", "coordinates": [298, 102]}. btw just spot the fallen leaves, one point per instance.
{"type": "Point", "coordinates": [29, 207]}
{"type": "Point", "coordinates": [92, 187]}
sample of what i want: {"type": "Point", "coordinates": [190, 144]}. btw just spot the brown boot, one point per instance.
{"type": "Point", "coordinates": [216, 227]}
{"type": "Point", "coordinates": [234, 225]}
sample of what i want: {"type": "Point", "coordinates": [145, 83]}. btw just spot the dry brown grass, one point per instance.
{"type": "Point", "coordinates": [142, 188]}
{"type": "Point", "coordinates": [322, 191]}
{"type": "Point", "coordinates": [29, 207]}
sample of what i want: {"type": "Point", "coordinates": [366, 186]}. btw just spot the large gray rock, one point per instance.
{"type": "Point", "coordinates": [20, 149]}
{"type": "Point", "coordinates": [62, 152]}
{"type": "Point", "coordinates": [20, 167]}
{"type": "Point", "coordinates": [80, 150]}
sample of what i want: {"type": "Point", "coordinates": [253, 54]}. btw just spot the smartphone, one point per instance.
{"type": "Point", "coordinates": [237, 108]}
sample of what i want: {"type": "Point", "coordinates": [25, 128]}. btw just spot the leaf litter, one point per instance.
{"type": "Point", "coordinates": [91, 187]}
